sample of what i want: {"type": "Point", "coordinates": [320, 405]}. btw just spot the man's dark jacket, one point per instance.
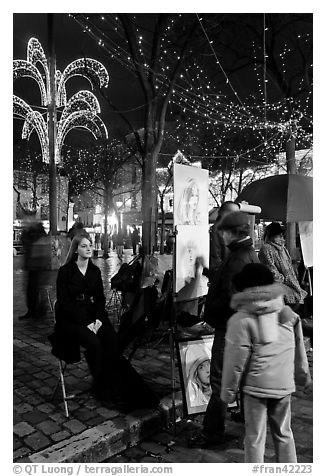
{"type": "Point", "coordinates": [217, 248]}
{"type": "Point", "coordinates": [217, 305]}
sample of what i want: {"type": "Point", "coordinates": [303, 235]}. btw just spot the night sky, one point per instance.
{"type": "Point", "coordinates": [71, 43]}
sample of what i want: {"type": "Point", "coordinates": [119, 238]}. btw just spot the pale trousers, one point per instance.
{"type": "Point", "coordinates": [278, 414]}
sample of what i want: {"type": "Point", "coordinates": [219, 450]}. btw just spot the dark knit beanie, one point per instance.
{"type": "Point", "coordinates": [252, 275]}
{"type": "Point", "coordinates": [274, 229]}
{"type": "Point", "coordinates": [233, 220]}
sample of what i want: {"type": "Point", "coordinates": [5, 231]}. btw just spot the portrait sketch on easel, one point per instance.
{"type": "Point", "coordinates": [190, 215]}
{"type": "Point", "coordinates": [190, 195]}
{"type": "Point", "coordinates": [192, 255]}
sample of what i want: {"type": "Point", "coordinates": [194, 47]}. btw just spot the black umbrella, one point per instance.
{"type": "Point", "coordinates": [286, 197]}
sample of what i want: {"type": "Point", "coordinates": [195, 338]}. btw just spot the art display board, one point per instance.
{"type": "Point", "coordinates": [306, 239]}
{"type": "Point", "coordinates": [190, 217]}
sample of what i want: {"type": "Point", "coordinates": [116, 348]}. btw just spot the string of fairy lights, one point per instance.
{"type": "Point", "coordinates": [80, 111]}
{"type": "Point", "coordinates": [195, 110]}
{"type": "Point", "coordinates": [88, 29]}
{"type": "Point", "coordinates": [194, 94]}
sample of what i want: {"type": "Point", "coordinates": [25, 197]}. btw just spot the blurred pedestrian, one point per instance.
{"type": "Point", "coordinates": [134, 240]}
{"type": "Point", "coordinates": [97, 243]}
{"type": "Point", "coordinates": [114, 240]}
{"type": "Point", "coordinates": [276, 257]}
{"type": "Point", "coordinates": [37, 263]}
{"type": "Point", "coordinates": [235, 230]}
{"type": "Point", "coordinates": [217, 248]}
{"type": "Point", "coordinates": [105, 245]}
{"type": "Point", "coordinates": [169, 243]}
{"type": "Point", "coordinates": [120, 243]}
{"type": "Point", "coordinates": [260, 353]}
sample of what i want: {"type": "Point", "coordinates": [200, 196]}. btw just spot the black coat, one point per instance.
{"type": "Point", "coordinates": [217, 305]}
{"type": "Point", "coordinates": [217, 249]}
{"type": "Point", "coordinates": [80, 301]}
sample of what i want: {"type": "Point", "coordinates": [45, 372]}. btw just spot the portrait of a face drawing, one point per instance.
{"type": "Point", "coordinates": [192, 253]}
{"type": "Point", "coordinates": [195, 358]}
{"type": "Point", "coordinates": [190, 195]}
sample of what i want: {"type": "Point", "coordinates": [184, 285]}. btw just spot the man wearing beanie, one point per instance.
{"type": "Point", "coordinates": [264, 350]}
{"type": "Point", "coordinates": [235, 231]}
{"type": "Point", "coordinates": [217, 248]}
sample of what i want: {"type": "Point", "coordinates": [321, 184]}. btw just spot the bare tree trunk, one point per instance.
{"type": "Point", "coordinates": [162, 224]}
{"type": "Point", "coordinates": [149, 199]}
{"type": "Point", "coordinates": [291, 169]}
{"type": "Point", "coordinates": [106, 211]}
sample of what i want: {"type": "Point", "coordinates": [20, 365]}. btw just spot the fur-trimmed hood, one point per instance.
{"type": "Point", "coordinates": [260, 299]}
{"type": "Point", "coordinates": [267, 304]}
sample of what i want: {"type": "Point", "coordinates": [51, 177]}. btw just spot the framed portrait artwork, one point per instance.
{"type": "Point", "coordinates": [194, 355]}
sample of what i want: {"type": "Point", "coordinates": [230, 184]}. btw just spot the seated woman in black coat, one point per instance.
{"type": "Point", "coordinates": [81, 319]}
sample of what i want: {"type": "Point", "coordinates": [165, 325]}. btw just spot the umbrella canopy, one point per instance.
{"type": "Point", "coordinates": [286, 197]}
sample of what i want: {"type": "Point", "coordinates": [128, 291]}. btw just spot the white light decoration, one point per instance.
{"type": "Point", "coordinates": [80, 111]}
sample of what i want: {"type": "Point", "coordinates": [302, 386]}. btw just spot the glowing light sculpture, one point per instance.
{"type": "Point", "coordinates": [80, 111]}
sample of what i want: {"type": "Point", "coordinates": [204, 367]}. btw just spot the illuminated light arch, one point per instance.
{"type": "Point", "coordinates": [90, 69]}
{"type": "Point", "coordinates": [80, 111]}
{"type": "Point", "coordinates": [23, 68]}
{"type": "Point", "coordinates": [81, 119]}
{"type": "Point", "coordinates": [33, 121]}
{"type": "Point", "coordinates": [83, 100]}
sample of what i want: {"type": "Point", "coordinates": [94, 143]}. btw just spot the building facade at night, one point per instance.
{"type": "Point", "coordinates": [31, 198]}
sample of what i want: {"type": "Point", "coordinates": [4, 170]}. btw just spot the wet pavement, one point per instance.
{"type": "Point", "coordinates": [94, 433]}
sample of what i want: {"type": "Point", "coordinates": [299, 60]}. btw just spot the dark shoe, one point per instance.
{"type": "Point", "coordinates": [237, 416]}
{"type": "Point", "coordinates": [25, 316]}
{"type": "Point", "coordinates": [198, 440]}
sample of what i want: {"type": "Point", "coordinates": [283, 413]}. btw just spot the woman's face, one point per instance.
{"type": "Point", "coordinates": [203, 371]}
{"type": "Point", "coordinates": [278, 239]}
{"type": "Point", "coordinates": [194, 198]}
{"type": "Point", "coordinates": [84, 249]}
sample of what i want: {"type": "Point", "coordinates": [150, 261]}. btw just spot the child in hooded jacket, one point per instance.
{"type": "Point", "coordinates": [265, 354]}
